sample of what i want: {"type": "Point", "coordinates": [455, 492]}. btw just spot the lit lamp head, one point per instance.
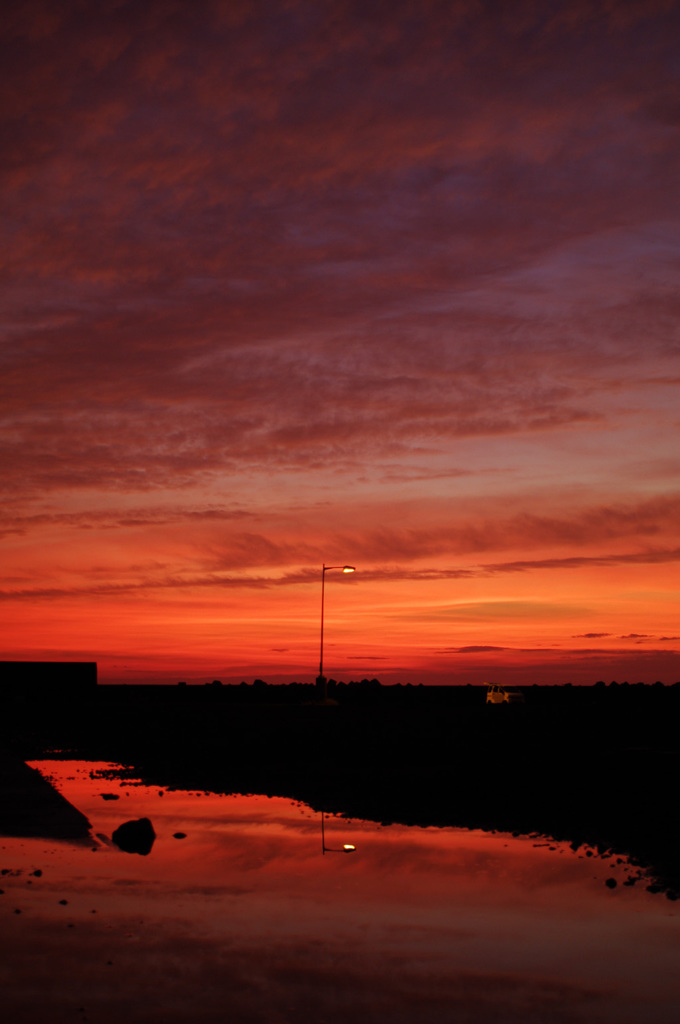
{"type": "Point", "coordinates": [348, 568]}
{"type": "Point", "coordinates": [348, 847]}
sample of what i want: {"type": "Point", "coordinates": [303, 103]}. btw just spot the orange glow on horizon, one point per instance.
{"type": "Point", "coordinates": [378, 306]}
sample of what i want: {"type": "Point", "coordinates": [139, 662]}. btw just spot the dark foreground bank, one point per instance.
{"type": "Point", "coordinates": [596, 765]}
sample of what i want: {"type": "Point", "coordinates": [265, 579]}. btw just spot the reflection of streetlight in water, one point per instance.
{"type": "Point", "coordinates": [345, 848]}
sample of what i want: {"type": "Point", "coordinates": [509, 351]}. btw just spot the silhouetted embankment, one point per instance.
{"type": "Point", "coordinates": [595, 765]}
{"type": "Point", "coordinates": [30, 806]}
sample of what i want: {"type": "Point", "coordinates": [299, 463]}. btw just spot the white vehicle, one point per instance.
{"type": "Point", "coordinates": [503, 695]}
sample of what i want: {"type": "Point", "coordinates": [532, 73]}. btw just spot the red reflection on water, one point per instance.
{"type": "Point", "coordinates": [441, 918]}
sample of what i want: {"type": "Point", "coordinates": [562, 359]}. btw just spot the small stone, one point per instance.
{"type": "Point", "coordinates": [63, 903]}
{"type": "Point", "coordinates": [179, 835]}
{"type": "Point", "coordinates": [611, 883]}
{"type": "Point", "coordinates": [135, 836]}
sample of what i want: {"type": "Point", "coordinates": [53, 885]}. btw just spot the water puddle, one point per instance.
{"type": "Point", "coordinates": [237, 914]}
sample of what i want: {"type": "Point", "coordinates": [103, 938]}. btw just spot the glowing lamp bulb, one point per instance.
{"type": "Point", "coordinates": [348, 848]}
{"type": "Point", "coordinates": [348, 568]}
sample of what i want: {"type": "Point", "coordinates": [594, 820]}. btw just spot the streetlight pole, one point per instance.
{"type": "Point", "coordinates": [321, 679]}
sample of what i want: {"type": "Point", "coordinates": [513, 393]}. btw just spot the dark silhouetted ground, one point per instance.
{"type": "Point", "coordinates": [596, 765]}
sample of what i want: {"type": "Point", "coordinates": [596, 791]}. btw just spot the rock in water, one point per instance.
{"type": "Point", "coordinates": [135, 836]}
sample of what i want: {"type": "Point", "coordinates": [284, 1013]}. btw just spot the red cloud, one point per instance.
{"type": "Point", "coordinates": [277, 277]}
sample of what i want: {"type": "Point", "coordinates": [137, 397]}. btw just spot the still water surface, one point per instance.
{"type": "Point", "coordinates": [245, 920]}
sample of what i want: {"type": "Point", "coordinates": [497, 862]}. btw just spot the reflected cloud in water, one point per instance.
{"type": "Point", "coordinates": [245, 920]}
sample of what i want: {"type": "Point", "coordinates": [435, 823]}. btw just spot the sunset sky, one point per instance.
{"type": "Point", "coordinates": [380, 282]}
